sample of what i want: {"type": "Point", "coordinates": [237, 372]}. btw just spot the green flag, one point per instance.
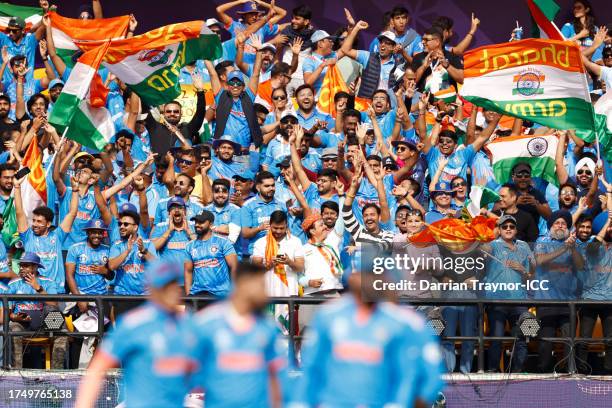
{"type": "Point", "coordinates": [9, 230]}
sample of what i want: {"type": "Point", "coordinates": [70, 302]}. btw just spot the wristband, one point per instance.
{"type": "Point", "coordinates": [39, 289]}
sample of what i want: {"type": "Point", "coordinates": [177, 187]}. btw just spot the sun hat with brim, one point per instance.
{"type": "Point", "coordinates": [31, 258]}
{"type": "Point", "coordinates": [95, 224]}
{"type": "Point", "coordinates": [248, 8]}
{"type": "Point", "coordinates": [83, 154]}
{"type": "Point", "coordinates": [226, 139]}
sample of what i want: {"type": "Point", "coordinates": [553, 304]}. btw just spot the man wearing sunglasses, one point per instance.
{"type": "Point", "coordinates": [513, 262]}
{"type": "Point", "coordinates": [224, 164]}
{"type": "Point", "coordinates": [227, 215]}
{"type": "Point", "coordinates": [530, 199]}
{"type": "Point", "coordinates": [279, 147]}
{"type": "Point", "coordinates": [526, 227]}
{"type": "Point", "coordinates": [183, 187]}
{"type": "Point", "coordinates": [18, 42]}
{"type": "Point", "coordinates": [442, 198]}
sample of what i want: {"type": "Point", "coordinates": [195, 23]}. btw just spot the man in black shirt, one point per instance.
{"type": "Point", "coordinates": [436, 68]}
{"type": "Point", "coordinates": [527, 229]}
{"type": "Point", "coordinates": [530, 200]}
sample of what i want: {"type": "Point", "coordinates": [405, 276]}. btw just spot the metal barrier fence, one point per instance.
{"type": "Point", "coordinates": [292, 302]}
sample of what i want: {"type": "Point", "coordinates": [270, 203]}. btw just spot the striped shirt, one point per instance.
{"type": "Point", "coordinates": [361, 236]}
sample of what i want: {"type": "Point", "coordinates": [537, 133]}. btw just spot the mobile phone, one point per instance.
{"type": "Point", "coordinates": [22, 173]}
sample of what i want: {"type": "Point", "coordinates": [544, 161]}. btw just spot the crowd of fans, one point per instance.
{"type": "Point", "coordinates": [258, 172]}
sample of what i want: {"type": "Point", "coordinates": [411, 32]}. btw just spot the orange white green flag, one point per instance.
{"type": "Point", "coordinates": [69, 33]}
{"type": "Point", "coordinates": [34, 188]}
{"type": "Point", "coordinates": [538, 80]}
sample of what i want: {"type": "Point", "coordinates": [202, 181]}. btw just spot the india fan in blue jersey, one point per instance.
{"type": "Point", "coordinates": [364, 353]}
{"type": "Point", "coordinates": [40, 239]}
{"type": "Point", "coordinates": [237, 348]}
{"type": "Point", "coordinates": [211, 260]}
{"type": "Point", "coordinates": [150, 345]}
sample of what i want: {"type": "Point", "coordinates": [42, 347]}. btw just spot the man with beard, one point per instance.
{"type": "Point", "coordinates": [277, 76]}
{"type": "Point", "coordinates": [171, 236]}
{"type": "Point", "coordinates": [20, 43]}
{"type": "Point", "coordinates": [530, 199]}
{"type": "Point", "coordinates": [586, 178]}
{"type": "Point", "coordinates": [526, 227]}
{"type": "Point", "coordinates": [227, 215]}
{"type": "Point", "coordinates": [300, 25]}
{"type": "Point", "coordinates": [128, 257]}
{"type": "Point", "coordinates": [163, 137]}
{"type": "Point", "coordinates": [7, 125]}
{"type": "Point", "coordinates": [187, 160]}
{"type": "Point", "coordinates": [314, 67]}
{"type": "Point", "coordinates": [356, 366]}
{"type": "Point", "coordinates": [183, 186]}
{"type": "Point", "coordinates": [279, 147]}
{"type": "Point", "coordinates": [255, 213]}
{"type": "Point", "coordinates": [87, 273]}
{"type": "Point", "coordinates": [40, 238]}
{"type": "Point", "coordinates": [377, 66]}
{"type": "Point", "coordinates": [558, 261]}
{"type": "Point", "coordinates": [7, 173]}
{"type": "Point", "coordinates": [351, 119]}
{"type": "Point", "coordinates": [596, 283]}
{"type": "Point", "coordinates": [309, 117]}
{"type": "Point", "coordinates": [55, 89]}
{"type": "Point", "coordinates": [248, 357]}
{"type": "Point", "coordinates": [211, 262]}
{"type": "Point", "coordinates": [223, 164]}
{"type": "Point", "coordinates": [443, 206]}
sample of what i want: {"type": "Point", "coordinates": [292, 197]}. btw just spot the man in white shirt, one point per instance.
{"type": "Point", "coordinates": [282, 254]}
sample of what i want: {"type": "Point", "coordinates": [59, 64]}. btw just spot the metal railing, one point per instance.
{"type": "Point", "coordinates": [292, 302]}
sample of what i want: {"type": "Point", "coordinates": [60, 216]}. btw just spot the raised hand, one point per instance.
{"type": "Point", "coordinates": [362, 25]}
{"type": "Point", "coordinates": [42, 47]}
{"type": "Point", "coordinates": [296, 45]}
{"type": "Point", "coordinates": [255, 41]}
{"type": "Point", "coordinates": [475, 24]}
{"type": "Point", "coordinates": [198, 82]}
{"type": "Point", "coordinates": [133, 23]}
{"type": "Point", "coordinates": [6, 56]}
{"type": "Point", "coordinates": [138, 182]}
{"type": "Point", "coordinates": [349, 17]}
{"type": "Point", "coordinates": [150, 159]}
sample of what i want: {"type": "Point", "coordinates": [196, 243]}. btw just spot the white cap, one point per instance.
{"type": "Point", "coordinates": [319, 35]}
{"type": "Point", "coordinates": [213, 21]}
{"type": "Point", "coordinates": [268, 46]}
{"type": "Point", "coordinates": [389, 35]}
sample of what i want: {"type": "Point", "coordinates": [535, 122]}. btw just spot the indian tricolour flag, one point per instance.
{"type": "Point", "coordinates": [538, 80]}
{"type": "Point", "coordinates": [537, 151]}
{"type": "Point", "coordinates": [90, 125]}
{"type": "Point", "coordinates": [150, 63]}
{"type": "Point", "coordinates": [68, 33]}
{"type": "Point", "coordinates": [448, 95]}
{"type": "Point", "coordinates": [31, 15]}
{"type": "Point", "coordinates": [543, 13]}
{"type": "Point", "coordinates": [34, 188]}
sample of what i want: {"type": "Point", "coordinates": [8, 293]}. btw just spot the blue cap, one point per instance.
{"type": "Point", "coordinates": [128, 208]}
{"type": "Point", "coordinates": [32, 258]}
{"type": "Point", "coordinates": [227, 139]}
{"type": "Point", "coordinates": [250, 7]}
{"type": "Point", "coordinates": [55, 82]}
{"type": "Point", "coordinates": [246, 175]}
{"type": "Point", "coordinates": [175, 201]}
{"type": "Point", "coordinates": [236, 74]}
{"type": "Point", "coordinates": [160, 273]}
{"type": "Point", "coordinates": [96, 224]}
{"type": "Point", "coordinates": [443, 186]}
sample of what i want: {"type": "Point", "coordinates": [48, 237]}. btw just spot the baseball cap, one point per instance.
{"type": "Point", "coordinates": [160, 273]}
{"type": "Point", "coordinates": [235, 74]}
{"type": "Point", "coordinates": [389, 162]}
{"type": "Point", "coordinates": [521, 167]}
{"type": "Point", "coordinates": [204, 216]}
{"type": "Point", "coordinates": [319, 35]}
{"type": "Point", "coordinates": [83, 154]}
{"type": "Point", "coordinates": [442, 187]}
{"type": "Point", "coordinates": [404, 142]}
{"type": "Point", "coordinates": [18, 22]}
{"type": "Point", "coordinates": [126, 208]}
{"type": "Point", "coordinates": [227, 139]}
{"type": "Point", "coordinates": [246, 175]}
{"type": "Point", "coordinates": [268, 46]}
{"type": "Point", "coordinates": [389, 35]}
{"type": "Point", "coordinates": [329, 153]}
{"type": "Point", "coordinates": [212, 21]}
{"type": "Point", "coordinates": [96, 224]}
{"type": "Point", "coordinates": [32, 258]}
{"type": "Point", "coordinates": [283, 164]}
{"type": "Point", "coordinates": [250, 7]}
{"type": "Point", "coordinates": [175, 201]}
{"type": "Point", "coordinates": [506, 218]}
{"type": "Point", "coordinates": [288, 114]}
{"type": "Point", "coordinates": [55, 82]}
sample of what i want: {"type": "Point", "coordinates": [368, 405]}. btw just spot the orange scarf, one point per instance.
{"type": "Point", "coordinates": [271, 252]}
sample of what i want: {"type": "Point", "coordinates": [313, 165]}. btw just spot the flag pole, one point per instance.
{"type": "Point", "coordinates": [59, 146]}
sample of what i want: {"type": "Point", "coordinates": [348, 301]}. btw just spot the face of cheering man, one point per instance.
{"type": "Point", "coordinates": [127, 227]}
{"type": "Point", "coordinates": [202, 228]}
{"type": "Point", "coordinates": [95, 237]}
{"type": "Point", "coordinates": [182, 186]}
{"type": "Point", "coordinates": [584, 230]}
{"type": "Point", "coordinates": [220, 195]}
{"type": "Point", "coordinates": [172, 113]}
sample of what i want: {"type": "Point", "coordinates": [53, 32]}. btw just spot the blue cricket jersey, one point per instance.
{"type": "Point", "coordinates": [210, 270]}
{"type": "Point", "coordinates": [87, 211]}
{"type": "Point", "coordinates": [129, 276]}
{"type": "Point", "coordinates": [84, 258]}
{"type": "Point", "coordinates": [174, 250]}
{"type": "Point", "coordinates": [20, 287]}
{"type": "Point", "coordinates": [151, 345]}
{"type": "Point", "coordinates": [193, 208]}
{"type": "Point", "coordinates": [354, 359]}
{"type": "Point", "coordinates": [49, 249]}
{"type": "Point", "coordinates": [255, 212]}
{"type": "Point", "coordinates": [235, 354]}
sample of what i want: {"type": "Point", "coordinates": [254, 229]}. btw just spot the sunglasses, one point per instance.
{"type": "Point", "coordinates": [173, 111]}
{"type": "Point", "coordinates": [279, 98]}
{"type": "Point", "coordinates": [289, 122]}
{"type": "Point", "coordinates": [522, 174]}
{"type": "Point", "coordinates": [125, 224]}
{"type": "Point", "coordinates": [13, 30]}
{"type": "Point", "coordinates": [587, 172]}
{"type": "Point", "coordinates": [460, 184]}
{"type": "Point", "coordinates": [220, 190]}
{"type": "Point", "coordinates": [235, 83]}
{"type": "Point", "coordinates": [205, 157]}
{"type": "Point", "coordinates": [179, 183]}
{"type": "Point", "coordinates": [402, 149]}
{"type": "Point", "coordinates": [185, 162]}
{"type": "Point", "coordinates": [442, 193]}
{"type": "Point", "coordinates": [508, 227]}
{"type": "Point", "coordinates": [330, 159]}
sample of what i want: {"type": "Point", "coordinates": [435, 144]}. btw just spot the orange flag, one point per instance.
{"type": "Point", "coordinates": [332, 84]}
{"type": "Point", "coordinates": [457, 235]}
